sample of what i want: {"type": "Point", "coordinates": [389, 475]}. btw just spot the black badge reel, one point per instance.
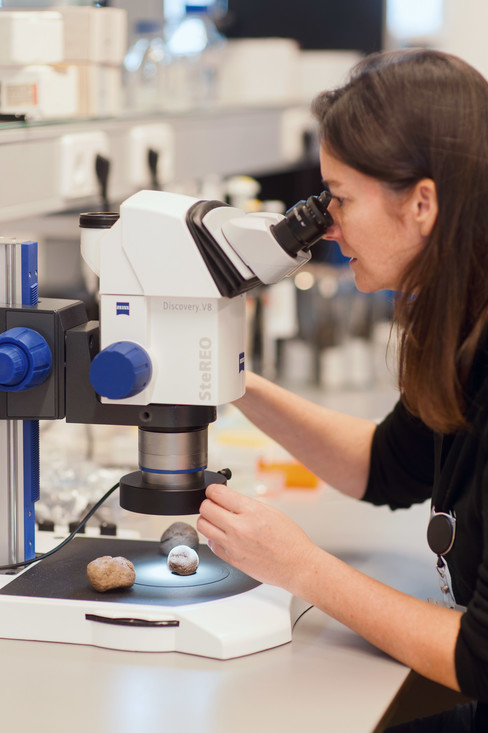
{"type": "Point", "coordinates": [441, 534]}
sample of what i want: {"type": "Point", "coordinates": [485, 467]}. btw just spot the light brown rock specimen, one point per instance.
{"type": "Point", "coordinates": [178, 533]}
{"type": "Point", "coordinates": [107, 573]}
{"type": "Point", "coordinates": [183, 560]}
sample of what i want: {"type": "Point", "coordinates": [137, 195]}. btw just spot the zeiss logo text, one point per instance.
{"type": "Point", "coordinates": [122, 309]}
{"type": "Point", "coordinates": [241, 362]}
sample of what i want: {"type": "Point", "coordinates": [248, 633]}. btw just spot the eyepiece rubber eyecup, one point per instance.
{"type": "Point", "coordinates": [98, 219]}
{"type": "Point", "coordinates": [304, 224]}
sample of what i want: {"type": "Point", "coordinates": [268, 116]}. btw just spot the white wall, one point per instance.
{"type": "Point", "coordinates": [465, 31]}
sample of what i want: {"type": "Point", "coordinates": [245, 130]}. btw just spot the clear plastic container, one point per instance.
{"type": "Point", "coordinates": [145, 67]}
{"type": "Point", "coordinates": [195, 46]}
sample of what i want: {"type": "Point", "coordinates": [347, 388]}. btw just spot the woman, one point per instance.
{"type": "Point", "coordinates": [404, 152]}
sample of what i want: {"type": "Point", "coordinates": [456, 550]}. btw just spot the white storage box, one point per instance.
{"type": "Point", "coordinates": [30, 37]}
{"type": "Point", "coordinates": [44, 92]}
{"type": "Point", "coordinates": [99, 90]}
{"type": "Point", "coordinates": [96, 35]}
{"type": "Point", "coordinates": [259, 71]}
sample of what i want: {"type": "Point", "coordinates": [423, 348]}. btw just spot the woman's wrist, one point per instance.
{"type": "Point", "coordinates": [251, 380]}
{"type": "Point", "coordinates": [309, 572]}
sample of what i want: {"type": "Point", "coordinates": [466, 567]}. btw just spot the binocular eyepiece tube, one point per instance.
{"type": "Point", "coordinates": [304, 224]}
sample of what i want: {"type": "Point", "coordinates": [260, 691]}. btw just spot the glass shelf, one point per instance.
{"type": "Point", "coordinates": [209, 141]}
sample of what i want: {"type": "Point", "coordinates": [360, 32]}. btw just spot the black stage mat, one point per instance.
{"type": "Point", "coordinates": [63, 575]}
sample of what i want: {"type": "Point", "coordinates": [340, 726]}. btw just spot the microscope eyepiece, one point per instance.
{"type": "Point", "coordinates": [98, 219]}
{"type": "Point", "coordinates": [304, 224]}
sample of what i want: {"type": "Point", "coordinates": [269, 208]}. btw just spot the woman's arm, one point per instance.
{"type": "Point", "coordinates": [269, 546]}
{"type": "Point", "coordinates": [334, 446]}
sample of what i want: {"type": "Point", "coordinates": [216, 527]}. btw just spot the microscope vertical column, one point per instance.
{"type": "Point", "coordinates": [19, 439]}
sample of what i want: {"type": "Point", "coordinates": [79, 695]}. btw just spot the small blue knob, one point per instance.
{"type": "Point", "coordinates": [121, 370]}
{"type": "Point", "coordinates": [25, 359]}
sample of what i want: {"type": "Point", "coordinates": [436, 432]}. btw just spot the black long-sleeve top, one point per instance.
{"type": "Point", "coordinates": [402, 473]}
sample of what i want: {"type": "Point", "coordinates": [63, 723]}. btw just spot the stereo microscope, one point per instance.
{"type": "Point", "coordinates": [168, 349]}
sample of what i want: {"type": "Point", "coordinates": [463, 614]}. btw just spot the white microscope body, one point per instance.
{"type": "Point", "coordinates": [173, 273]}
{"type": "Point", "coordinates": [156, 291]}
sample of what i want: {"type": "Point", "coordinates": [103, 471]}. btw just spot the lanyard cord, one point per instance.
{"type": "Point", "coordinates": [438, 443]}
{"type": "Point", "coordinates": [439, 521]}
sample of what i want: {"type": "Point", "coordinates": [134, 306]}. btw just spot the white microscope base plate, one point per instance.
{"type": "Point", "coordinates": [223, 628]}
{"type": "Point", "coordinates": [259, 619]}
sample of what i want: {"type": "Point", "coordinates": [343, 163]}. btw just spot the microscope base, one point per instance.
{"type": "Point", "coordinates": [218, 612]}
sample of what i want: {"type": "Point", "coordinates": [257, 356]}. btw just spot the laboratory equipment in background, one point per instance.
{"type": "Point", "coordinates": [32, 82]}
{"type": "Point", "coordinates": [196, 49]}
{"type": "Point", "coordinates": [174, 65]}
{"type": "Point", "coordinates": [86, 66]}
{"type": "Point", "coordinates": [95, 43]}
{"type": "Point", "coordinates": [62, 63]}
{"type": "Point", "coordinates": [34, 37]}
{"type": "Point", "coordinates": [145, 66]}
{"type": "Point", "coordinates": [174, 272]}
{"type": "Point", "coordinates": [39, 92]}
{"type": "Point", "coordinates": [259, 71]}
{"type": "Point", "coordinates": [343, 340]}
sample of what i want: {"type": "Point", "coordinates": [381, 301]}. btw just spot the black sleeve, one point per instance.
{"type": "Point", "coordinates": [402, 461]}
{"type": "Point", "coordinates": [471, 656]}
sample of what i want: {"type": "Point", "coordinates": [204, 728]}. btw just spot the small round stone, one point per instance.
{"type": "Point", "coordinates": [107, 573]}
{"type": "Point", "coordinates": [178, 533]}
{"type": "Point", "coordinates": [183, 560]}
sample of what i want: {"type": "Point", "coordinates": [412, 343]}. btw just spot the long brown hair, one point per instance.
{"type": "Point", "coordinates": [404, 116]}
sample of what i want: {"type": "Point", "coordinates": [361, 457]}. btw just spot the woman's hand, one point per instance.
{"type": "Point", "coordinates": [267, 545]}
{"type": "Point", "coordinates": [253, 537]}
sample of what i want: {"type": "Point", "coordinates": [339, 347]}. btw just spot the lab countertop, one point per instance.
{"type": "Point", "coordinates": [327, 679]}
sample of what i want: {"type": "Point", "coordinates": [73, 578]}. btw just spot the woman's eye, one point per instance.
{"type": "Point", "coordinates": [338, 200]}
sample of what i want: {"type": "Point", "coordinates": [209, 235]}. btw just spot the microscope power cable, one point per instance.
{"type": "Point", "coordinates": [82, 523]}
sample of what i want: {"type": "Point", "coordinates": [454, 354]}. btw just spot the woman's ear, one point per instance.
{"type": "Point", "coordinates": [425, 207]}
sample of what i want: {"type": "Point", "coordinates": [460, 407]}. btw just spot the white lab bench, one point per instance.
{"type": "Point", "coordinates": [327, 678]}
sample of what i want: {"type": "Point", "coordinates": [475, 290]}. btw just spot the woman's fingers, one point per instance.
{"type": "Point", "coordinates": [226, 497]}
{"type": "Point", "coordinates": [209, 529]}
{"type": "Point", "coordinates": [254, 537]}
{"type": "Point", "coordinates": [217, 549]}
{"type": "Point", "coordinates": [215, 518]}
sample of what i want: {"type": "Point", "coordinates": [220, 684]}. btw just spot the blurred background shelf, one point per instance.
{"type": "Point", "coordinates": [217, 142]}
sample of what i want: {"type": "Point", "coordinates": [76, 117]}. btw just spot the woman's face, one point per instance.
{"type": "Point", "coordinates": [373, 226]}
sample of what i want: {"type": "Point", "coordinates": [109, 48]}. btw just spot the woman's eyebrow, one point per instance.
{"type": "Point", "coordinates": [328, 184]}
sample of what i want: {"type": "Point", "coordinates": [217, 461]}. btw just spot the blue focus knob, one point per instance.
{"type": "Point", "coordinates": [13, 365]}
{"type": "Point", "coordinates": [25, 359]}
{"type": "Point", "coordinates": [121, 370]}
